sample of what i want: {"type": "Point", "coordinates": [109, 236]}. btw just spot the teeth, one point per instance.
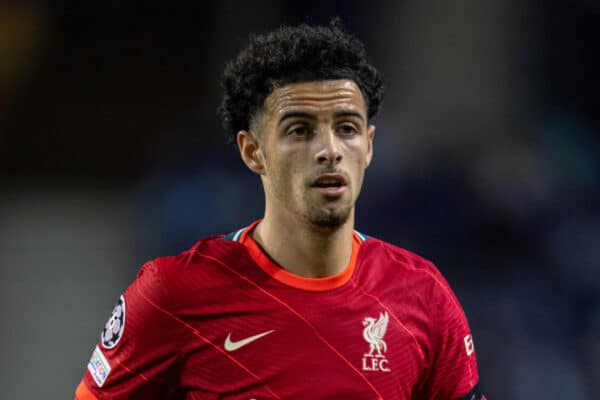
{"type": "Point", "coordinates": [329, 183]}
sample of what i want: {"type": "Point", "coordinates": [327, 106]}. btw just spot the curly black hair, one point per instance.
{"type": "Point", "coordinates": [294, 54]}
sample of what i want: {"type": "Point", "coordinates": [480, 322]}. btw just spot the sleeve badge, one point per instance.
{"type": "Point", "coordinates": [98, 366]}
{"type": "Point", "coordinates": [113, 330]}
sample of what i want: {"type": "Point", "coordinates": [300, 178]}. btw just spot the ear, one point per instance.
{"type": "Point", "coordinates": [251, 152]}
{"type": "Point", "coordinates": [370, 136]}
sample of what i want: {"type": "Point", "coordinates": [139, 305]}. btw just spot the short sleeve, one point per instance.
{"type": "Point", "coordinates": [137, 356]}
{"type": "Point", "coordinates": [453, 374]}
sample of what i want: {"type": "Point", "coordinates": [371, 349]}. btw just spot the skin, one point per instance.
{"type": "Point", "coordinates": [305, 130]}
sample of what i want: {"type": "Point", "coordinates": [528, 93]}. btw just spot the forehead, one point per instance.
{"type": "Point", "coordinates": [316, 97]}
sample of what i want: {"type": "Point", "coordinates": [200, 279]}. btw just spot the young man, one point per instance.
{"type": "Point", "coordinates": [297, 305]}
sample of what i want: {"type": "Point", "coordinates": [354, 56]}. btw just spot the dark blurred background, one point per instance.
{"type": "Point", "coordinates": [486, 162]}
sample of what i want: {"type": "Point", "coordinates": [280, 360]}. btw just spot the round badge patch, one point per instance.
{"type": "Point", "coordinates": [113, 330]}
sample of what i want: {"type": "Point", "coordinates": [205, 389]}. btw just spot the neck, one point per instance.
{"type": "Point", "coordinates": [305, 250]}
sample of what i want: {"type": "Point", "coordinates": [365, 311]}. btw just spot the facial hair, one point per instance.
{"type": "Point", "coordinates": [328, 218]}
{"type": "Point", "coordinates": [322, 216]}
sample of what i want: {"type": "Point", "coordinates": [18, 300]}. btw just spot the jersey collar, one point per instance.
{"type": "Point", "coordinates": [278, 273]}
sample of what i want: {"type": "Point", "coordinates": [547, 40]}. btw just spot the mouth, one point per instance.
{"type": "Point", "coordinates": [330, 185]}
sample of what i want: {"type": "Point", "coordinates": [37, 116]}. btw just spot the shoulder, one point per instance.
{"type": "Point", "coordinates": [400, 259]}
{"type": "Point", "coordinates": [405, 271]}
{"type": "Point", "coordinates": [202, 254]}
{"type": "Point", "coordinates": [173, 280]}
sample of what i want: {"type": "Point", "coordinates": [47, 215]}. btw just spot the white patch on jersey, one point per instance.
{"type": "Point", "coordinates": [230, 345]}
{"type": "Point", "coordinates": [373, 333]}
{"type": "Point", "coordinates": [469, 346]}
{"type": "Point", "coordinates": [113, 330]}
{"type": "Point", "coordinates": [99, 367]}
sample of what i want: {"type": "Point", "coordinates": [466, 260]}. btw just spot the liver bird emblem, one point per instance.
{"type": "Point", "coordinates": [374, 332]}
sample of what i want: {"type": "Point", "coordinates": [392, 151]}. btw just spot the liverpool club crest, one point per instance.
{"type": "Point", "coordinates": [373, 333]}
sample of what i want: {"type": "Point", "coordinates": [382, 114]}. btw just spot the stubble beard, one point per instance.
{"type": "Point", "coordinates": [329, 219]}
{"type": "Point", "coordinates": [326, 217]}
{"type": "Point", "coordinates": [314, 212]}
{"type": "Point", "coordinates": [327, 214]}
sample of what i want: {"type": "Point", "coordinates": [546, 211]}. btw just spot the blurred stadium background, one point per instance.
{"type": "Point", "coordinates": [487, 161]}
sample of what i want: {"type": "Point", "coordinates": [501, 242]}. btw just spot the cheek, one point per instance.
{"type": "Point", "coordinates": [357, 162]}
{"type": "Point", "coordinates": [357, 155]}
{"type": "Point", "coordinates": [291, 163]}
{"type": "Point", "coordinates": [282, 173]}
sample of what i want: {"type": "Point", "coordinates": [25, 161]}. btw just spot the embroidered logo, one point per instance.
{"type": "Point", "coordinates": [98, 366]}
{"type": "Point", "coordinates": [230, 345]}
{"type": "Point", "coordinates": [373, 333]}
{"type": "Point", "coordinates": [113, 330]}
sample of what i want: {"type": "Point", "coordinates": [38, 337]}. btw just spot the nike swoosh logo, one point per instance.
{"type": "Point", "coordinates": [232, 346]}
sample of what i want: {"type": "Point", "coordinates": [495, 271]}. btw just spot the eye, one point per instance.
{"type": "Point", "coordinates": [299, 131]}
{"type": "Point", "coordinates": [347, 129]}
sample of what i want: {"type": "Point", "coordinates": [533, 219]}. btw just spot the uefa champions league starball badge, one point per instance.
{"type": "Point", "coordinates": [113, 330]}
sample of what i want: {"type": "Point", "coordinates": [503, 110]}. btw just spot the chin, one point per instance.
{"type": "Point", "coordinates": [329, 219]}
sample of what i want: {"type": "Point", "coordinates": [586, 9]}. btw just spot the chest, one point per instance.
{"type": "Point", "coordinates": [275, 344]}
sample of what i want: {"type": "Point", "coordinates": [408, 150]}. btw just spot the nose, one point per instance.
{"type": "Point", "coordinates": [328, 151]}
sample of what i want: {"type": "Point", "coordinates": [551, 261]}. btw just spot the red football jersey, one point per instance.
{"type": "Point", "coordinates": [223, 321]}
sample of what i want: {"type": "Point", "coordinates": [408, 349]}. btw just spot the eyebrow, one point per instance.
{"type": "Point", "coordinates": [295, 114]}
{"type": "Point", "coordinates": [355, 114]}
{"type": "Point", "coordinates": [299, 114]}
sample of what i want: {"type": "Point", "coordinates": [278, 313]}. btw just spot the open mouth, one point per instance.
{"type": "Point", "coordinates": [330, 184]}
